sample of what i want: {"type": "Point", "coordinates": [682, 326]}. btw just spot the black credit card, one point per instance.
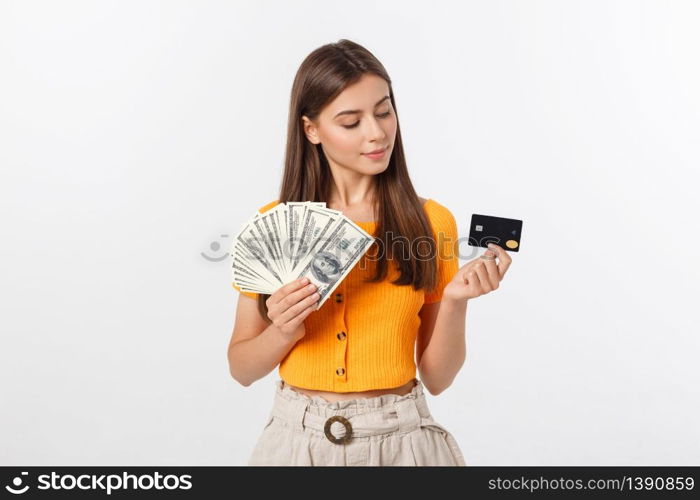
{"type": "Point", "coordinates": [485, 229]}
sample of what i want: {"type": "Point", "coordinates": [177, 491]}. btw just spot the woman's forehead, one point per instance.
{"type": "Point", "coordinates": [362, 96]}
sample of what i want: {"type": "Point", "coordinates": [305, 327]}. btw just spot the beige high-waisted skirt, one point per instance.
{"type": "Point", "coordinates": [390, 429]}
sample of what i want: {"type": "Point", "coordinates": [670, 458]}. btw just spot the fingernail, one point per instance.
{"type": "Point", "coordinates": [492, 245]}
{"type": "Point", "coordinates": [304, 281]}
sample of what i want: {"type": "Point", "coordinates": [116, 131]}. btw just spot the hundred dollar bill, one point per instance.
{"type": "Point", "coordinates": [316, 223]}
{"type": "Point", "coordinates": [333, 258]}
{"type": "Point", "coordinates": [245, 276]}
{"type": "Point", "coordinates": [269, 226]}
{"type": "Point", "coordinates": [277, 246]}
{"type": "Point", "coordinates": [296, 212]}
{"type": "Point", "coordinates": [256, 251]}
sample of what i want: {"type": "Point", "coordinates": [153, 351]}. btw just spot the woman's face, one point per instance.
{"type": "Point", "coordinates": [359, 120]}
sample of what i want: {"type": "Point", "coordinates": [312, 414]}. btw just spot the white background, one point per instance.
{"type": "Point", "coordinates": [134, 135]}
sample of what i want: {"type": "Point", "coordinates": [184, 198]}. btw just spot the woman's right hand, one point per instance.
{"type": "Point", "coordinates": [290, 305]}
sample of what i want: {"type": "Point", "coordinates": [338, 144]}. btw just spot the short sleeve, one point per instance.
{"type": "Point", "coordinates": [252, 295]}
{"type": "Point", "coordinates": [262, 209]}
{"type": "Point", "coordinates": [445, 233]}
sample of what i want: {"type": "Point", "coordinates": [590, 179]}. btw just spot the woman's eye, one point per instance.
{"type": "Point", "coordinates": [383, 115]}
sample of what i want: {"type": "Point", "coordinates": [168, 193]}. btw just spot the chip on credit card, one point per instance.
{"type": "Point", "coordinates": [485, 229]}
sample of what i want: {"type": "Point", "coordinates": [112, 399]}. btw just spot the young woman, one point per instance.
{"type": "Point", "coordinates": [348, 392]}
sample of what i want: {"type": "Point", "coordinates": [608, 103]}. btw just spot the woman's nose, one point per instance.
{"type": "Point", "coordinates": [375, 131]}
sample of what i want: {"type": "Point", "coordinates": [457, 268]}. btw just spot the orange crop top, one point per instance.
{"type": "Point", "coordinates": [363, 337]}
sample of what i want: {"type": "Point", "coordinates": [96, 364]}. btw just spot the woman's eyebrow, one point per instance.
{"type": "Point", "coordinates": [353, 111]}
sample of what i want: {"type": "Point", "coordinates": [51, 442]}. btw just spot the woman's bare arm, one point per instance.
{"type": "Point", "coordinates": [257, 347]}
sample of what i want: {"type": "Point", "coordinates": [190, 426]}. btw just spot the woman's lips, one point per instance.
{"type": "Point", "coordinates": [376, 156]}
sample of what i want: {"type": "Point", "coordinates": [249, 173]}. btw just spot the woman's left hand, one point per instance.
{"type": "Point", "coordinates": [479, 276]}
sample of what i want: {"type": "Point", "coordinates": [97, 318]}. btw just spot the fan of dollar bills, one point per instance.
{"type": "Point", "coordinates": [294, 240]}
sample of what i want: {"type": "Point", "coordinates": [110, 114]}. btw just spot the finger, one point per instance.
{"type": "Point", "coordinates": [296, 296]}
{"type": "Point", "coordinates": [504, 260]}
{"type": "Point", "coordinates": [464, 270]}
{"type": "Point", "coordinates": [494, 276]}
{"type": "Point", "coordinates": [471, 264]}
{"type": "Point", "coordinates": [482, 273]}
{"type": "Point", "coordinates": [296, 321]}
{"type": "Point", "coordinates": [294, 310]}
{"type": "Point", "coordinates": [472, 279]}
{"type": "Point", "coordinates": [283, 291]}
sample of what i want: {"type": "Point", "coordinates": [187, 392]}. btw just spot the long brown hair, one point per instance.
{"type": "Point", "coordinates": [322, 76]}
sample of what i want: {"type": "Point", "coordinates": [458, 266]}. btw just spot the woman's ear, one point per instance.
{"type": "Point", "coordinates": [310, 130]}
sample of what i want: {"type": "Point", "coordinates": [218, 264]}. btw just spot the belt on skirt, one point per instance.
{"type": "Point", "coordinates": [404, 415]}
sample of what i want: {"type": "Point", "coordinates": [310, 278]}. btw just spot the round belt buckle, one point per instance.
{"type": "Point", "coordinates": [330, 436]}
